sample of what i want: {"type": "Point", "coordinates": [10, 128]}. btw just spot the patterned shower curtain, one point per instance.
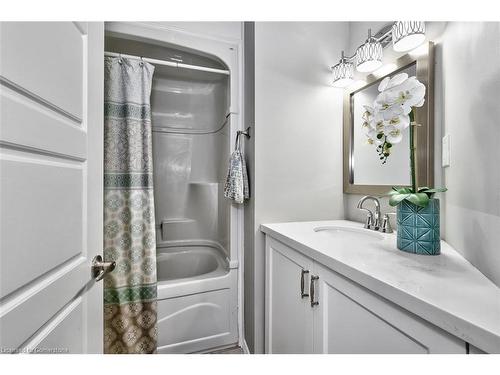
{"type": "Point", "coordinates": [129, 225]}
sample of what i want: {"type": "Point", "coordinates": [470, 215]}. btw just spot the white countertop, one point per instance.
{"type": "Point", "coordinates": [445, 290]}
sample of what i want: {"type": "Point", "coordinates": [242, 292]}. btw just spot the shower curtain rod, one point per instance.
{"type": "Point", "coordinates": [168, 63]}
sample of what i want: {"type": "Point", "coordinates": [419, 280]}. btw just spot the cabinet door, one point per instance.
{"type": "Point", "coordinates": [288, 312]}
{"type": "Point", "coordinates": [351, 319]}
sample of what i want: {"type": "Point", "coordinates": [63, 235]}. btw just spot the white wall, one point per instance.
{"type": "Point", "coordinates": [470, 73]}
{"type": "Point", "coordinates": [298, 121]}
{"type": "Point", "coordinates": [467, 106]}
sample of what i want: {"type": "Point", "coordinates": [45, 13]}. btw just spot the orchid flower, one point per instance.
{"type": "Point", "coordinates": [393, 134]}
{"type": "Point", "coordinates": [385, 122]}
{"type": "Point", "coordinates": [389, 82]}
{"type": "Point", "coordinates": [399, 95]}
{"type": "Point", "coordinates": [372, 137]}
{"type": "Point", "coordinates": [400, 122]}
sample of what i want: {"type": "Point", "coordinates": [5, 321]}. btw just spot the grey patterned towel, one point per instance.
{"type": "Point", "coordinates": [236, 186]}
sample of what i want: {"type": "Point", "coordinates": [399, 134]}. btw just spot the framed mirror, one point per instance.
{"type": "Point", "coordinates": [363, 171]}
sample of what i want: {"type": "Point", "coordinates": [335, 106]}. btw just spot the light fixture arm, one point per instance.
{"type": "Point", "coordinates": [344, 58]}
{"type": "Point", "coordinates": [387, 36]}
{"type": "Point", "coordinates": [347, 58]}
{"type": "Point", "coordinates": [383, 36]}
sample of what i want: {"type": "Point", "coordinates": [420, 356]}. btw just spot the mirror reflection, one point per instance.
{"type": "Point", "coordinates": [366, 168]}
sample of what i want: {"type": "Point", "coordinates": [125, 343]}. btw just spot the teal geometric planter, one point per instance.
{"type": "Point", "coordinates": [418, 228]}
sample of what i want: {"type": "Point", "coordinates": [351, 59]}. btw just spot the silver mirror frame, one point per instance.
{"type": "Point", "coordinates": [424, 116]}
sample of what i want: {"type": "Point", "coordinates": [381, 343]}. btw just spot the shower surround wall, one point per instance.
{"type": "Point", "coordinates": [190, 159]}
{"type": "Point", "coordinates": [196, 227]}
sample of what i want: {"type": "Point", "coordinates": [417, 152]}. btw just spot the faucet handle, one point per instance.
{"type": "Point", "coordinates": [369, 218]}
{"type": "Point", "coordinates": [386, 224]}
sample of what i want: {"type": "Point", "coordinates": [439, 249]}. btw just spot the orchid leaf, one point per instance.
{"type": "Point", "coordinates": [395, 199]}
{"type": "Point", "coordinates": [404, 190]}
{"type": "Point", "coordinates": [435, 190]}
{"type": "Point", "coordinates": [419, 199]}
{"type": "Point", "coordinates": [430, 192]}
{"type": "Point", "coordinates": [397, 190]}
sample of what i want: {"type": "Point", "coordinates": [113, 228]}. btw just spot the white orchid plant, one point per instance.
{"type": "Point", "coordinates": [384, 123]}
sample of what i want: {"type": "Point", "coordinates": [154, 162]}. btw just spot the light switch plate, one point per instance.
{"type": "Point", "coordinates": [446, 151]}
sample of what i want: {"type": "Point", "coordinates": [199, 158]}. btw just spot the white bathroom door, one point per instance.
{"type": "Point", "coordinates": [51, 161]}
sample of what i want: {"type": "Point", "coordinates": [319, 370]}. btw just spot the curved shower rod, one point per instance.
{"type": "Point", "coordinates": [166, 129]}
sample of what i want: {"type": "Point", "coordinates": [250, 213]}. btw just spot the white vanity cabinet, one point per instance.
{"type": "Point", "coordinates": [351, 319]}
{"type": "Point", "coordinates": [289, 321]}
{"type": "Point", "coordinates": [337, 315]}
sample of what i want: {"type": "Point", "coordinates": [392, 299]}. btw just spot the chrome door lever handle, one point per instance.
{"type": "Point", "coordinates": [99, 268]}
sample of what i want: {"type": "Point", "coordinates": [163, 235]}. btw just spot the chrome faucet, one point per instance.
{"type": "Point", "coordinates": [375, 221]}
{"type": "Point", "coordinates": [372, 220]}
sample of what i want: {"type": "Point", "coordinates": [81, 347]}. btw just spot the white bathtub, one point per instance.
{"type": "Point", "coordinates": [197, 305]}
{"type": "Point", "coordinates": [193, 262]}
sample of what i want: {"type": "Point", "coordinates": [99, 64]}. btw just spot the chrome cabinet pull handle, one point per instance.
{"type": "Point", "coordinates": [312, 290]}
{"type": "Point", "coordinates": [302, 283]}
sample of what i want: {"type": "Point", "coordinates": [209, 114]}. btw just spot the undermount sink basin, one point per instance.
{"type": "Point", "coordinates": [350, 234]}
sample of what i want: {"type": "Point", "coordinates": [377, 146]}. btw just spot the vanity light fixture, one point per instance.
{"type": "Point", "coordinates": [407, 35]}
{"type": "Point", "coordinates": [343, 72]}
{"type": "Point", "coordinates": [404, 35]}
{"type": "Point", "coordinates": [369, 55]}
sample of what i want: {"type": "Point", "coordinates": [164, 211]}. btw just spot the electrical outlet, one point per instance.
{"type": "Point", "coordinates": [446, 151]}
